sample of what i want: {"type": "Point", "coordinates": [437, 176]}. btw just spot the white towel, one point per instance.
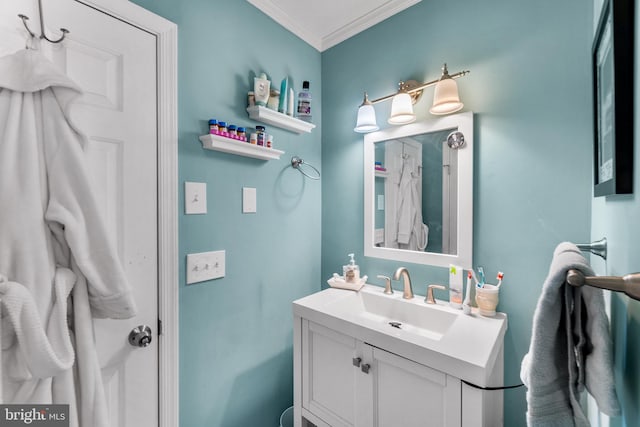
{"type": "Point", "coordinates": [570, 348]}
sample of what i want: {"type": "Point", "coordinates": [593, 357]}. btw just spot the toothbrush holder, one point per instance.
{"type": "Point", "coordinates": [487, 299]}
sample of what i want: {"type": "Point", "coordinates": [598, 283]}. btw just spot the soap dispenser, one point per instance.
{"type": "Point", "coordinates": [351, 271]}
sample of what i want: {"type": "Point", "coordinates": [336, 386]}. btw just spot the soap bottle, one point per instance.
{"type": "Point", "coordinates": [351, 271]}
{"type": "Point", "coordinates": [304, 103]}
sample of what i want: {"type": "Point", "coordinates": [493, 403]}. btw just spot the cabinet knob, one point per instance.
{"type": "Point", "coordinates": [356, 361]}
{"type": "Point", "coordinates": [365, 368]}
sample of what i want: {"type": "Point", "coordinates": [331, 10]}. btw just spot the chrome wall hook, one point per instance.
{"type": "Point", "coordinates": [25, 18]}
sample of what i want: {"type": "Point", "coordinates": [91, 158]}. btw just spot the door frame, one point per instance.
{"type": "Point", "coordinates": [166, 34]}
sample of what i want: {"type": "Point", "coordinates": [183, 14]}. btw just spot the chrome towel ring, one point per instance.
{"type": "Point", "coordinates": [297, 162]}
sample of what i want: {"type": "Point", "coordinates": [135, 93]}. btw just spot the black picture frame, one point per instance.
{"type": "Point", "coordinates": [613, 73]}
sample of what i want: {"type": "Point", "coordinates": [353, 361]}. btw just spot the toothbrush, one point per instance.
{"type": "Point", "coordinates": [466, 304]}
{"type": "Point", "coordinates": [481, 275]}
{"type": "Point", "coordinates": [475, 278]}
{"type": "Point", "coordinates": [500, 277]}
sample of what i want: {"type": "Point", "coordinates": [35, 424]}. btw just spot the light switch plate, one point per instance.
{"type": "Point", "coordinates": [380, 202]}
{"type": "Point", "coordinates": [195, 198]}
{"type": "Point", "coordinates": [249, 200]}
{"type": "Point", "coordinates": [205, 266]}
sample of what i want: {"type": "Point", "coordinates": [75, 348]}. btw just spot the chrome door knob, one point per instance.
{"type": "Point", "coordinates": [140, 336]}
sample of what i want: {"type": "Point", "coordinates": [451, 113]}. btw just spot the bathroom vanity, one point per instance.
{"type": "Point", "coordinates": [368, 359]}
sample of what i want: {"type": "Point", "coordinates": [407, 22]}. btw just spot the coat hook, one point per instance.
{"type": "Point", "coordinates": [42, 34]}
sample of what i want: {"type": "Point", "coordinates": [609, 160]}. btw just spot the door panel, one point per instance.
{"type": "Point", "coordinates": [329, 377]}
{"type": "Point", "coordinates": [408, 394]}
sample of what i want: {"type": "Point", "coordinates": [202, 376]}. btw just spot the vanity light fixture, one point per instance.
{"type": "Point", "coordinates": [445, 101]}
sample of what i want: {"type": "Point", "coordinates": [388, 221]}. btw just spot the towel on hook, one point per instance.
{"type": "Point", "coordinates": [570, 348]}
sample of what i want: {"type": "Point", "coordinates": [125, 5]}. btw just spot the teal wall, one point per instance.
{"type": "Point", "coordinates": [235, 332]}
{"type": "Point", "coordinates": [616, 218]}
{"type": "Point", "coordinates": [530, 90]}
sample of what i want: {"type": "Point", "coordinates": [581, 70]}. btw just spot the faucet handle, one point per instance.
{"type": "Point", "coordinates": [387, 284]}
{"type": "Point", "coordinates": [429, 299]}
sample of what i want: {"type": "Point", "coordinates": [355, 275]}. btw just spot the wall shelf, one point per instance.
{"type": "Point", "coordinates": [274, 118]}
{"type": "Point", "coordinates": [241, 148]}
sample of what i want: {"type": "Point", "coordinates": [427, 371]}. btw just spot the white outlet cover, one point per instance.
{"type": "Point", "coordinates": [380, 202]}
{"type": "Point", "coordinates": [249, 200]}
{"type": "Point", "coordinates": [195, 198]}
{"type": "Point", "coordinates": [205, 266]}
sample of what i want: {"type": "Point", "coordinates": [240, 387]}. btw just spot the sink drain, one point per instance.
{"type": "Point", "coordinates": [396, 325]}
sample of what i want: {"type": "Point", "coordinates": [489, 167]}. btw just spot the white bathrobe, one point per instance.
{"type": "Point", "coordinates": [411, 234]}
{"type": "Point", "coordinates": [53, 245]}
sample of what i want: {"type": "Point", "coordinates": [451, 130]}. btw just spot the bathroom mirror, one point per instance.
{"type": "Point", "coordinates": [418, 192]}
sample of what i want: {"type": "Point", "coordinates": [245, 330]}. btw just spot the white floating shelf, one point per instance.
{"type": "Point", "coordinates": [241, 148]}
{"type": "Point", "coordinates": [271, 117]}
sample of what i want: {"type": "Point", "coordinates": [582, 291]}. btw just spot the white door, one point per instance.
{"type": "Point", "coordinates": [115, 64]}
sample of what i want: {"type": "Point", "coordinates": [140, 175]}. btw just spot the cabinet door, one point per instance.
{"type": "Point", "coordinates": [328, 374]}
{"type": "Point", "coordinates": [405, 393]}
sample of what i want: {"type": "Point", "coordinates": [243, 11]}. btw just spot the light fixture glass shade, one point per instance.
{"type": "Point", "coordinates": [401, 110]}
{"type": "Point", "coordinates": [366, 119]}
{"type": "Point", "coordinates": [445, 97]}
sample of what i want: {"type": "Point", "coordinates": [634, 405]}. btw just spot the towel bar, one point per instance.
{"type": "Point", "coordinates": [598, 248]}
{"type": "Point", "coordinates": [629, 284]}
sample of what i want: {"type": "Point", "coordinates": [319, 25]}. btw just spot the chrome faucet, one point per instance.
{"type": "Point", "coordinates": [408, 290]}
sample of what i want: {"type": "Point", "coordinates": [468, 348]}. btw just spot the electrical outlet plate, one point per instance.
{"type": "Point", "coordinates": [205, 266]}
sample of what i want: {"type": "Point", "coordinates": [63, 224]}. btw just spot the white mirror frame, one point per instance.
{"type": "Point", "coordinates": [464, 123]}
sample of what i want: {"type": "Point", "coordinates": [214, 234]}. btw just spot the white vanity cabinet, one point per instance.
{"type": "Point", "coordinates": [352, 368]}
{"type": "Point", "coordinates": [346, 382]}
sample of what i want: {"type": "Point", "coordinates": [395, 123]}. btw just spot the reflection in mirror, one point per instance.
{"type": "Point", "coordinates": [418, 192]}
{"type": "Point", "coordinates": [414, 191]}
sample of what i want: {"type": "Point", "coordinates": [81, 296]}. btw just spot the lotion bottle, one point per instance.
{"type": "Point", "coordinates": [282, 106]}
{"type": "Point", "coordinates": [290, 99]}
{"type": "Point", "coordinates": [261, 89]}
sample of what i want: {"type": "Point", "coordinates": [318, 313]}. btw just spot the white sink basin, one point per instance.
{"type": "Point", "coordinates": [436, 335]}
{"type": "Point", "coordinates": [394, 312]}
